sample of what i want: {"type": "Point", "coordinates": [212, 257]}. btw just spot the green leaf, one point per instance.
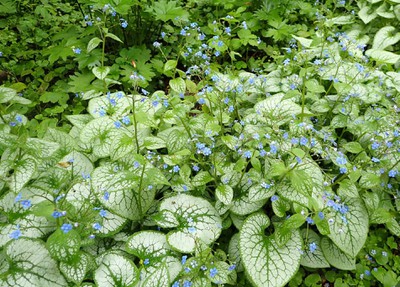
{"type": "Point", "coordinates": [314, 259]}
{"type": "Point", "coordinates": [148, 244]}
{"type": "Point", "coordinates": [168, 10]}
{"type": "Point", "coordinates": [170, 65]}
{"type": "Point", "coordinates": [199, 222]}
{"type": "Point", "coordinates": [267, 264]}
{"type": "Point", "coordinates": [294, 221]}
{"type": "Point", "coordinates": [152, 143]}
{"type": "Point", "coordinates": [64, 246]}
{"type": "Point", "coordinates": [337, 257]}
{"type": "Point", "coordinates": [93, 43]}
{"type": "Point", "coordinates": [202, 178]}
{"type": "Point", "coordinates": [161, 273]}
{"type": "Point", "coordinates": [314, 86]}
{"type": "Point", "coordinates": [32, 265]}
{"type": "Point", "coordinates": [306, 43]}
{"type": "Point", "coordinates": [224, 193]}
{"type": "Point", "coordinates": [277, 111]}
{"type": "Point", "coordinates": [177, 140]}
{"type": "Point", "coordinates": [101, 72]}
{"type": "Point", "coordinates": [234, 252]}
{"type": "Point", "coordinates": [301, 181]}
{"type": "Point", "coordinates": [385, 37]}
{"type": "Point", "coordinates": [114, 37]}
{"type": "Point", "coordinates": [75, 270]}
{"type": "Point", "coordinates": [6, 94]}
{"type": "Point", "coordinates": [178, 85]}
{"type": "Point", "coordinates": [367, 14]}
{"type": "Point", "coordinates": [349, 231]}
{"type": "Point", "coordinates": [116, 270]}
{"type": "Point", "coordinates": [369, 180]}
{"type": "Point", "coordinates": [381, 56]}
{"type": "Point", "coordinates": [23, 172]}
{"type": "Point", "coordinates": [353, 147]}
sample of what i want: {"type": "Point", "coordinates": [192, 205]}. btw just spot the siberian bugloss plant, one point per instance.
{"type": "Point", "coordinates": [228, 177]}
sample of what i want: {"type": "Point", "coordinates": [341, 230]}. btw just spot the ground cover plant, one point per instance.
{"type": "Point", "coordinates": [200, 143]}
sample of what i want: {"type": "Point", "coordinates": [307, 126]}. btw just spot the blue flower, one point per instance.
{"type": "Point", "coordinates": [183, 32]}
{"type": "Point", "coordinates": [313, 247]}
{"type": "Point", "coordinates": [117, 124]}
{"type": "Point", "coordinates": [274, 198]}
{"type": "Point", "coordinates": [213, 272]}
{"type": "Point", "coordinates": [157, 44]}
{"type": "Point", "coordinates": [176, 168]}
{"type": "Point", "coordinates": [18, 197]}
{"type": "Point", "coordinates": [97, 226]}
{"type": "Point", "coordinates": [310, 220]}
{"type": "Point", "coordinates": [146, 261]}
{"type": "Point", "coordinates": [375, 145]}
{"type": "Point", "coordinates": [321, 215]}
{"type": "Point", "coordinates": [201, 101]}
{"type": "Point", "coordinates": [124, 24]}
{"type": "Point", "coordinates": [77, 51]}
{"type": "Point", "coordinates": [184, 258]}
{"type": "Point", "coordinates": [126, 120]}
{"type": "Point", "coordinates": [232, 267]}
{"type": "Point", "coordinates": [56, 214]}
{"type": "Point", "coordinates": [196, 168]}
{"type": "Point", "coordinates": [191, 229]}
{"type": "Point", "coordinates": [16, 233]}
{"type": "Point", "coordinates": [26, 203]}
{"type": "Point", "coordinates": [286, 62]}
{"type": "Point", "coordinates": [392, 173]}
{"type": "Point", "coordinates": [103, 213]}
{"type": "Point", "coordinates": [247, 154]}
{"type": "Point", "coordinates": [66, 227]}
{"type": "Point", "coordinates": [343, 170]}
{"type": "Point", "coordinates": [176, 284]}
{"type": "Point", "coordinates": [106, 195]}
{"type": "Point", "coordinates": [303, 141]}
{"type": "Point", "coordinates": [187, 283]}
{"type": "Point", "coordinates": [341, 160]}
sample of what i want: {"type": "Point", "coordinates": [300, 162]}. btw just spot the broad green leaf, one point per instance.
{"type": "Point", "coordinates": [199, 221]}
{"type": "Point", "coordinates": [306, 43]}
{"type": "Point", "coordinates": [41, 148]}
{"type": "Point", "coordinates": [337, 257]}
{"type": "Point", "coordinates": [166, 219]}
{"type": "Point", "coordinates": [116, 270]}
{"type": "Point", "coordinates": [101, 72]}
{"type": "Point", "coordinates": [353, 147]}
{"type": "Point", "coordinates": [177, 140]}
{"type": "Point", "coordinates": [224, 193]}
{"type": "Point", "coordinates": [64, 246]}
{"type": "Point", "coordinates": [123, 144]}
{"type": "Point", "coordinates": [367, 14]}
{"type": "Point", "coordinates": [267, 264]}
{"type": "Point", "coordinates": [77, 162]}
{"type": "Point", "coordinates": [277, 111]}
{"type": "Point", "coordinates": [7, 94]}
{"type": "Point", "coordinates": [161, 273]}
{"type": "Point", "coordinates": [32, 265]}
{"type": "Point", "coordinates": [385, 37]}
{"type": "Point", "coordinates": [66, 142]}
{"type": "Point", "coordinates": [369, 180]}
{"type": "Point", "coordinates": [79, 121]}
{"type": "Point", "coordinates": [202, 178]}
{"type": "Point", "coordinates": [93, 43]}
{"type": "Point", "coordinates": [224, 276]}
{"type": "Point", "coordinates": [349, 231]}
{"type": "Point", "coordinates": [242, 205]}
{"type": "Point", "coordinates": [169, 65]}
{"type": "Point", "coordinates": [394, 227]}
{"type": "Point", "coordinates": [96, 130]}
{"type": "Point", "coordinates": [23, 171]}
{"type": "Point", "coordinates": [148, 244]}
{"type": "Point", "coordinates": [76, 269]}
{"type": "Point", "coordinates": [121, 199]}
{"type": "Point", "coordinates": [114, 37]}
{"type": "Point", "coordinates": [382, 56]}
{"type": "Point", "coordinates": [152, 143]}
{"type": "Point", "coordinates": [258, 193]}
{"type": "Point", "coordinates": [178, 85]}
{"type": "Point", "coordinates": [99, 105]}
{"type": "Point", "coordinates": [315, 259]}
{"type": "Point", "coordinates": [112, 223]}
{"type": "Point", "coordinates": [234, 252]}
{"type": "Point", "coordinates": [294, 221]}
